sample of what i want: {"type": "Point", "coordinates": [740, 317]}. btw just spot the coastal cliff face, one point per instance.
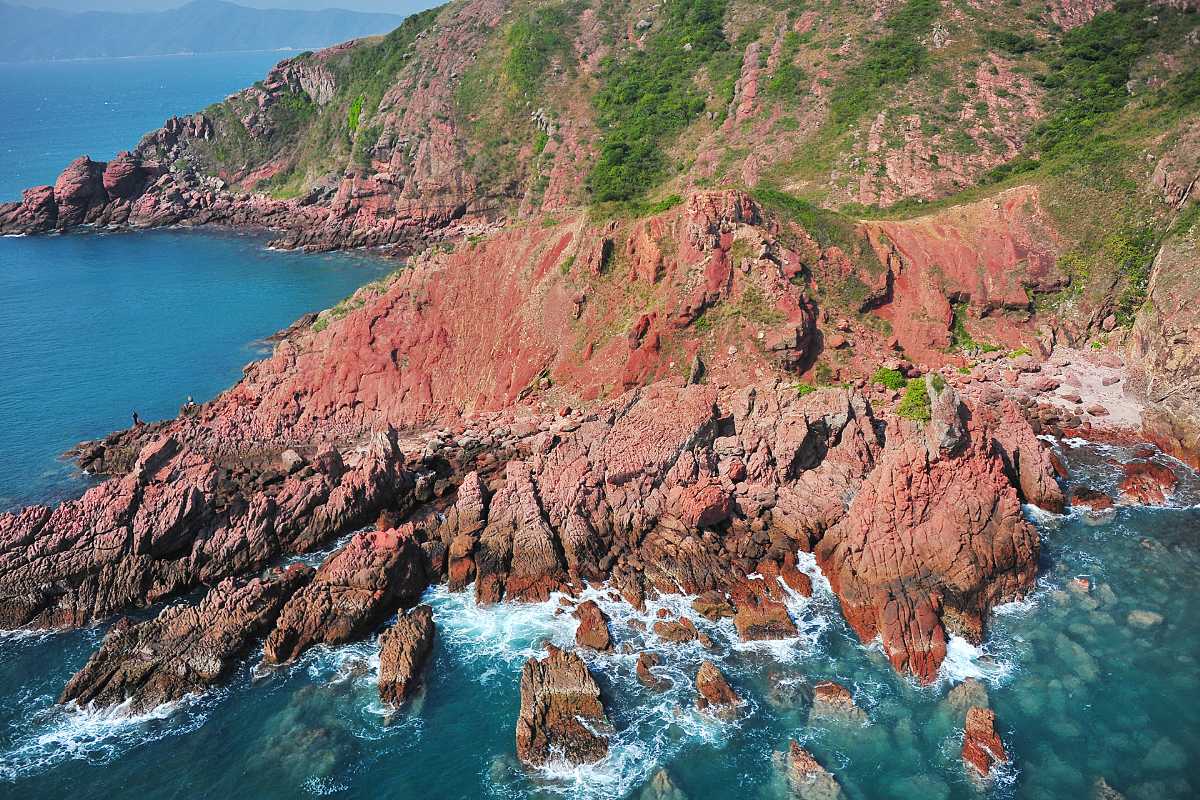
{"type": "Point", "coordinates": [675, 312]}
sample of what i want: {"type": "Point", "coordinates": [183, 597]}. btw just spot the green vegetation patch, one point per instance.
{"type": "Point", "coordinates": [653, 94]}
{"type": "Point", "coordinates": [533, 42]}
{"type": "Point", "coordinates": [889, 378]}
{"type": "Point", "coordinates": [915, 404]}
{"type": "Point", "coordinates": [893, 59]}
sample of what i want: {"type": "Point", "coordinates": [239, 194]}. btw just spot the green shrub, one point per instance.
{"type": "Point", "coordinates": [1010, 42]}
{"type": "Point", "coordinates": [653, 94]}
{"type": "Point", "coordinates": [803, 389]}
{"type": "Point", "coordinates": [355, 112]}
{"type": "Point", "coordinates": [532, 42]}
{"type": "Point", "coordinates": [894, 58]}
{"type": "Point", "coordinates": [915, 404]}
{"type": "Point", "coordinates": [889, 378]}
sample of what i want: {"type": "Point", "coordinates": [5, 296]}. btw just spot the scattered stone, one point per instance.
{"type": "Point", "coordinates": [760, 618]}
{"type": "Point", "coordinates": [562, 716]}
{"type": "Point", "coordinates": [291, 461]}
{"type": "Point", "coordinates": [593, 627]}
{"type": "Point", "coordinates": [1097, 410]}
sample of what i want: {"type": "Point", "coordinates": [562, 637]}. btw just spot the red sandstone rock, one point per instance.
{"type": "Point", "coordinates": [352, 592]}
{"type": "Point", "coordinates": [649, 679]}
{"type": "Point", "coordinates": [403, 650]}
{"type": "Point", "coordinates": [677, 631]}
{"type": "Point", "coordinates": [716, 695]}
{"type": "Point", "coordinates": [1146, 483]}
{"type": "Point", "coordinates": [807, 779]}
{"type": "Point", "coordinates": [185, 649]}
{"type": "Point", "coordinates": [982, 748]}
{"type": "Point", "coordinates": [1086, 497]}
{"type": "Point", "coordinates": [834, 702]}
{"type": "Point", "coordinates": [713, 605]}
{"type": "Point", "coordinates": [560, 712]}
{"type": "Point", "coordinates": [933, 540]}
{"type": "Point", "coordinates": [593, 627]}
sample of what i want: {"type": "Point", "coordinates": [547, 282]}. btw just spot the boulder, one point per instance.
{"type": "Point", "coordinates": [403, 650]}
{"type": "Point", "coordinates": [982, 748]}
{"type": "Point", "coordinates": [593, 627]}
{"type": "Point", "coordinates": [1091, 499]}
{"type": "Point", "coordinates": [646, 677]}
{"type": "Point", "coordinates": [562, 716]}
{"type": "Point", "coordinates": [1146, 483]}
{"type": "Point", "coordinates": [716, 695]}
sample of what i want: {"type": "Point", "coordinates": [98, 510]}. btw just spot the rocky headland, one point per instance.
{"type": "Point", "coordinates": [662, 398]}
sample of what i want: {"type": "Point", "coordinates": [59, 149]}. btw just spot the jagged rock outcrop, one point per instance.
{"type": "Point", "coordinates": [179, 519]}
{"type": "Point", "coordinates": [403, 650]}
{"type": "Point", "coordinates": [1146, 483]}
{"type": "Point", "coordinates": [982, 749]}
{"type": "Point", "coordinates": [562, 717]}
{"type": "Point", "coordinates": [593, 627]}
{"type": "Point", "coordinates": [716, 696]}
{"type": "Point", "coordinates": [807, 779]}
{"type": "Point", "coordinates": [939, 506]}
{"type": "Point", "coordinates": [184, 650]}
{"type": "Point", "coordinates": [352, 592]}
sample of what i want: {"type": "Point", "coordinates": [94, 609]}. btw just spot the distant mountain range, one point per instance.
{"type": "Point", "coordinates": [203, 26]}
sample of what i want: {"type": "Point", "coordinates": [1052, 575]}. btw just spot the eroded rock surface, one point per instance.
{"type": "Point", "coordinates": [403, 650]}
{"type": "Point", "coordinates": [561, 712]}
{"type": "Point", "coordinates": [982, 749]}
{"type": "Point", "coordinates": [351, 593]}
{"type": "Point", "coordinates": [185, 649]}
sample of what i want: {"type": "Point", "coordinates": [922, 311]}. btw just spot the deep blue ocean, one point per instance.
{"type": "Point", "coordinates": [92, 327]}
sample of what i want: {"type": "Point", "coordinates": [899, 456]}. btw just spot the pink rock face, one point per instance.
{"type": "Point", "coordinates": [124, 177]}
{"type": "Point", "coordinates": [932, 541]}
{"type": "Point", "coordinates": [352, 592]}
{"type": "Point", "coordinates": [562, 716]}
{"type": "Point", "coordinates": [79, 190]}
{"type": "Point", "coordinates": [990, 252]}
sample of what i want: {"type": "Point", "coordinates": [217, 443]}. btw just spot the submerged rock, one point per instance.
{"type": "Point", "coordinates": [661, 787]}
{"type": "Point", "coordinates": [403, 650]}
{"type": "Point", "coordinates": [982, 748]}
{"type": "Point", "coordinates": [562, 716]}
{"type": "Point", "coordinates": [833, 701]}
{"type": "Point", "coordinates": [649, 679]}
{"type": "Point", "coordinates": [807, 779]}
{"type": "Point", "coordinates": [185, 649]}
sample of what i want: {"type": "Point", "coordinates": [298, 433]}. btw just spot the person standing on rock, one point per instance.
{"type": "Point", "coordinates": [137, 422]}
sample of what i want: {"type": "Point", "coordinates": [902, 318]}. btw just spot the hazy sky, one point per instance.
{"type": "Point", "coordinates": [394, 6]}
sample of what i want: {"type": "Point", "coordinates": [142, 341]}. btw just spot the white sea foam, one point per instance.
{"type": "Point", "coordinates": [66, 733]}
{"type": "Point", "coordinates": [965, 660]}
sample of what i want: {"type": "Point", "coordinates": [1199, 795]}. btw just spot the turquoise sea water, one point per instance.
{"type": "Point", "coordinates": [1080, 691]}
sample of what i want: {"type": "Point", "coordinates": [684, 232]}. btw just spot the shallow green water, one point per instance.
{"type": "Point", "coordinates": [1079, 692]}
